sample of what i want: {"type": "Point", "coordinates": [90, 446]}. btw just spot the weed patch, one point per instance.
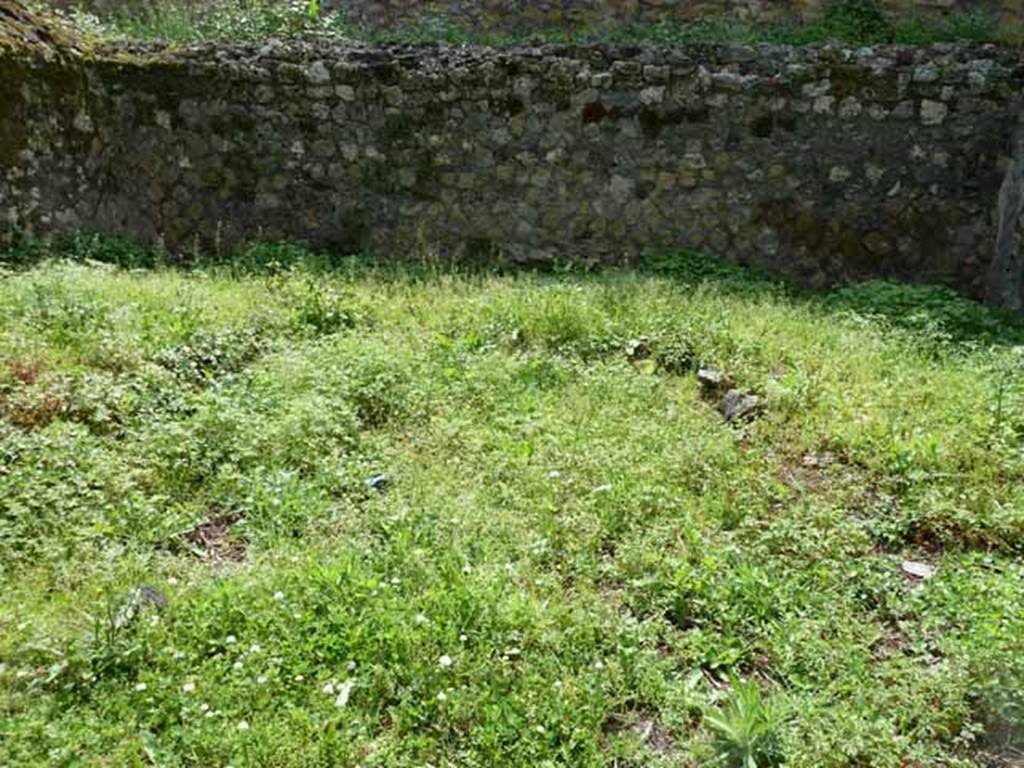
{"type": "Point", "coordinates": [291, 512]}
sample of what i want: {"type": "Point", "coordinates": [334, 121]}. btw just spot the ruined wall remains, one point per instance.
{"type": "Point", "coordinates": [822, 163]}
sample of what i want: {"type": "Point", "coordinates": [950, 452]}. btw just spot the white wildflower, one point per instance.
{"type": "Point", "coordinates": [140, 686]}
{"type": "Point", "coordinates": [243, 725]}
{"type": "Point", "coordinates": [188, 687]}
{"type": "Point", "coordinates": [445, 661]}
{"type": "Point", "coordinates": [279, 596]}
{"type": "Point", "coordinates": [442, 697]}
{"type": "Point", "coordinates": [328, 688]}
{"type": "Point", "coordinates": [230, 639]}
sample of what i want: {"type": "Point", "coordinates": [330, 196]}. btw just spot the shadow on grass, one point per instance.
{"type": "Point", "coordinates": [936, 312]}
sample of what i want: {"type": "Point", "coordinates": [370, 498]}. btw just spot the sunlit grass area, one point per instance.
{"type": "Point", "coordinates": [854, 22]}
{"type": "Point", "coordinates": [291, 513]}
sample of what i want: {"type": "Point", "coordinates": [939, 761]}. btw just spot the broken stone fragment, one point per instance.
{"type": "Point", "coordinates": [918, 571]}
{"type": "Point", "coordinates": [738, 405]}
{"type": "Point", "coordinates": [136, 601]}
{"type": "Point", "coordinates": [638, 349]}
{"type": "Point", "coordinates": [712, 381]}
{"type": "Point", "coordinates": [378, 483]}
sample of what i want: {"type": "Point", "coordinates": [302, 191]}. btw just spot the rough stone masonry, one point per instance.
{"type": "Point", "coordinates": [822, 163]}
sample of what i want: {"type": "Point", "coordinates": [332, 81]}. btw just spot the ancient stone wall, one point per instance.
{"type": "Point", "coordinates": [822, 163]}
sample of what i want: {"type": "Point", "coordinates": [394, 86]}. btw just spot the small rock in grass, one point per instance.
{"type": "Point", "coordinates": [739, 405]}
{"type": "Point", "coordinates": [918, 571]}
{"type": "Point", "coordinates": [136, 601]}
{"type": "Point", "coordinates": [638, 349]}
{"type": "Point", "coordinates": [711, 380]}
{"type": "Point", "coordinates": [378, 483]}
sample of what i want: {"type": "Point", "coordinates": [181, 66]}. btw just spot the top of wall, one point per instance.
{"type": "Point", "coordinates": [27, 33]}
{"type": "Point", "coordinates": [302, 57]}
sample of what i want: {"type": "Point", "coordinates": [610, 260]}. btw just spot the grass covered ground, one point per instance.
{"type": "Point", "coordinates": [854, 22]}
{"type": "Point", "coordinates": [288, 516]}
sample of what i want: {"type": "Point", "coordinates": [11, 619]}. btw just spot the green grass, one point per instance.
{"type": "Point", "coordinates": [572, 560]}
{"type": "Point", "coordinates": [855, 22]}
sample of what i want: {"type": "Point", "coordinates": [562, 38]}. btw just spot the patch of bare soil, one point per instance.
{"type": "Point", "coordinates": [213, 539]}
{"type": "Point", "coordinates": [645, 726]}
{"type": "Point", "coordinates": [1002, 745]}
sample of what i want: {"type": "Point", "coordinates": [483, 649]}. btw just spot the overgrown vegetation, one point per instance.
{"type": "Point", "coordinates": [305, 511]}
{"type": "Point", "coordinates": [850, 21]}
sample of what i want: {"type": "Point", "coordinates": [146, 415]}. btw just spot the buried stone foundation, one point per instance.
{"type": "Point", "coordinates": [821, 163]}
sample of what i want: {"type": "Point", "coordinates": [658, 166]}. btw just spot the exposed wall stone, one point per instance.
{"type": "Point", "coordinates": [822, 163]}
{"type": "Point", "coordinates": [1006, 274]}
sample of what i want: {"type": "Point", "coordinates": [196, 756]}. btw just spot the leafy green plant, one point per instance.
{"type": "Point", "coordinates": [747, 728]}
{"type": "Point", "coordinates": [856, 20]}
{"type": "Point", "coordinates": [934, 311]}
{"type": "Point", "coordinates": [205, 356]}
{"type": "Point", "coordinates": [107, 249]}
{"type": "Point", "coordinates": [321, 307]}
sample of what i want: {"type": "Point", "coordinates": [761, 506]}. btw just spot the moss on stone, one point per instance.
{"type": "Point", "coordinates": [29, 33]}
